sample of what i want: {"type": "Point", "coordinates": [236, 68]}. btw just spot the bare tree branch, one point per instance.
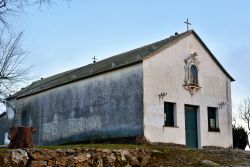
{"type": "Point", "coordinates": [12, 55]}
{"type": "Point", "coordinates": [12, 70]}
{"type": "Point", "coordinates": [244, 112]}
{"type": "Point", "coordinates": [14, 7]}
{"type": "Point", "coordinates": [2, 3]}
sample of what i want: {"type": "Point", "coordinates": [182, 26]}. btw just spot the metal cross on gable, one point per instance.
{"type": "Point", "coordinates": [94, 59]}
{"type": "Point", "coordinates": [188, 23]}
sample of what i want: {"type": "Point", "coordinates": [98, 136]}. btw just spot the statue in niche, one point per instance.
{"type": "Point", "coordinates": [191, 82]}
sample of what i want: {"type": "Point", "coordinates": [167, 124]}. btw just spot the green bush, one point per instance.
{"type": "Point", "coordinates": [240, 138]}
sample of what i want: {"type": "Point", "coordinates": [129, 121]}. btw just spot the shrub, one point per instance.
{"type": "Point", "coordinates": [240, 138]}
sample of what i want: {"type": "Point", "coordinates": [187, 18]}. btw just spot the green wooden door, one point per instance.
{"type": "Point", "coordinates": [191, 126]}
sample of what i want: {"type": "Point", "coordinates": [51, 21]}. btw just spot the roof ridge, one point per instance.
{"type": "Point", "coordinates": [108, 58]}
{"type": "Point", "coordinates": [138, 48]}
{"type": "Point", "coordinates": [69, 72]}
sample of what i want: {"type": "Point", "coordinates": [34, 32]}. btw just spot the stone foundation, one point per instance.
{"type": "Point", "coordinates": [79, 157]}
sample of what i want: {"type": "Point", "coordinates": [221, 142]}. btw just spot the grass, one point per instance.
{"type": "Point", "coordinates": [3, 149]}
{"type": "Point", "coordinates": [94, 146]}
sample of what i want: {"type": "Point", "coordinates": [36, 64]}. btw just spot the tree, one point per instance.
{"type": "Point", "coordinates": [14, 7]}
{"type": "Point", "coordinates": [244, 112]}
{"type": "Point", "coordinates": [12, 69]}
{"type": "Point", "coordinates": [240, 137]}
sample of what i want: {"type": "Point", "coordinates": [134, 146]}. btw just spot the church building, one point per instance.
{"type": "Point", "coordinates": [173, 91]}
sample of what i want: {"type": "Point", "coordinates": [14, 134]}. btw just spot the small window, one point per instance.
{"type": "Point", "coordinates": [213, 119]}
{"type": "Point", "coordinates": [193, 75]}
{"type": "Point", "coordinates": [169, 109]}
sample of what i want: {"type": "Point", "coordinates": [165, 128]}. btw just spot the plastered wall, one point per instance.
{"type": "Point", "coordinates": [105, 106]}
{"type": "Point", "coordinates": [164, 72]}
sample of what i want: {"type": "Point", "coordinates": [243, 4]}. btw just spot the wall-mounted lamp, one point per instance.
{"type": "Point", "coordinates": [162, 95]}
{"type": "Point", "coordinates": [221, 104]}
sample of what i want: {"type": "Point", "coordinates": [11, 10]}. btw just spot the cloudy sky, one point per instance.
{"type": "Point", "coordinates": [67, 36]}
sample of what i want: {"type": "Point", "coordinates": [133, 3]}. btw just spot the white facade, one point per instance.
{"type": "Point", "coordinates": [165, 72]}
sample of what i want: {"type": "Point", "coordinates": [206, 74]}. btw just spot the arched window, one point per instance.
{"type": "Point", "coordinates": [193, 75]}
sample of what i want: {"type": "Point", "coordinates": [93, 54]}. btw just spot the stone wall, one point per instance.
{"type": "Point", "coordinates": [80, 157]}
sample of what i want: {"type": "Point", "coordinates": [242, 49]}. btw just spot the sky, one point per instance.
{"type": "Point", "coordinates": [68, 35]}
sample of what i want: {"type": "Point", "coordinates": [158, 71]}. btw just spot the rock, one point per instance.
{"type": "Point", "coordinates": [98, 150]}
{"type": "Point", "coordinates": [52, 153]}
{"type": "Point", "coordinates": [78, 150]}
{"type": "Point", "coordinates": [70, 151]}
{"type": "Point", "coordinates": [99, 162]}
{"type": "Point", "coordinates": [157, 151]}
{"type": "Point", "coordinates": [38, 164]}
{"type": "Point", "coordinates": [125, 153]}
{"type": "Point", "coordinates": [123, 158]}
{"type": "Point", "coordinates": [111, 159]}
{"type": "Point", "coordinates": [19, 157]}
{"type": "Point", "coordinates": [115, 150]}
{"type": "Point", "coordinates": [70, 162]}
{"type": "Point", "coordinates": [145, 160]}
{"type": "Point", "coordinates": [60, 152]}
{"type": "Point", "coordinates": [120, 157]}
{"type": "Point", "coordinates": [108, 151]}
{"type": "Point", "coordinates": [62, 161]}
{"type": "Point", "coordinates": [51, 163]}
{"type": "Point", "coordinates": [6, 161]}
{"type": "Point", "coordinates": [209, 163]}
{"type": "Point", "coordinates": [82, 164]}
{"type": "Point", "coordinates": [81, 158]}
{"type": "Point", "coordinates": [134, 161]}
{"type": "Point", "coordinates": [39, 154]}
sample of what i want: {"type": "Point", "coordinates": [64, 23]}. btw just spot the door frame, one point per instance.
{"type": "Point", "coordinates": [197, 122]}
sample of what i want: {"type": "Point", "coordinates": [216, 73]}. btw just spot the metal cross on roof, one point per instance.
{"type": "Point", "coordinates": [186, 22]}
{"type": "Point", "coordinates": [94, 59]}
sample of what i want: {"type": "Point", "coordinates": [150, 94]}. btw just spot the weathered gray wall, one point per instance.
{"type": "Point", "coordinates": [3, 129]}
{"type": "Point", "coordinates": [106, 106]}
